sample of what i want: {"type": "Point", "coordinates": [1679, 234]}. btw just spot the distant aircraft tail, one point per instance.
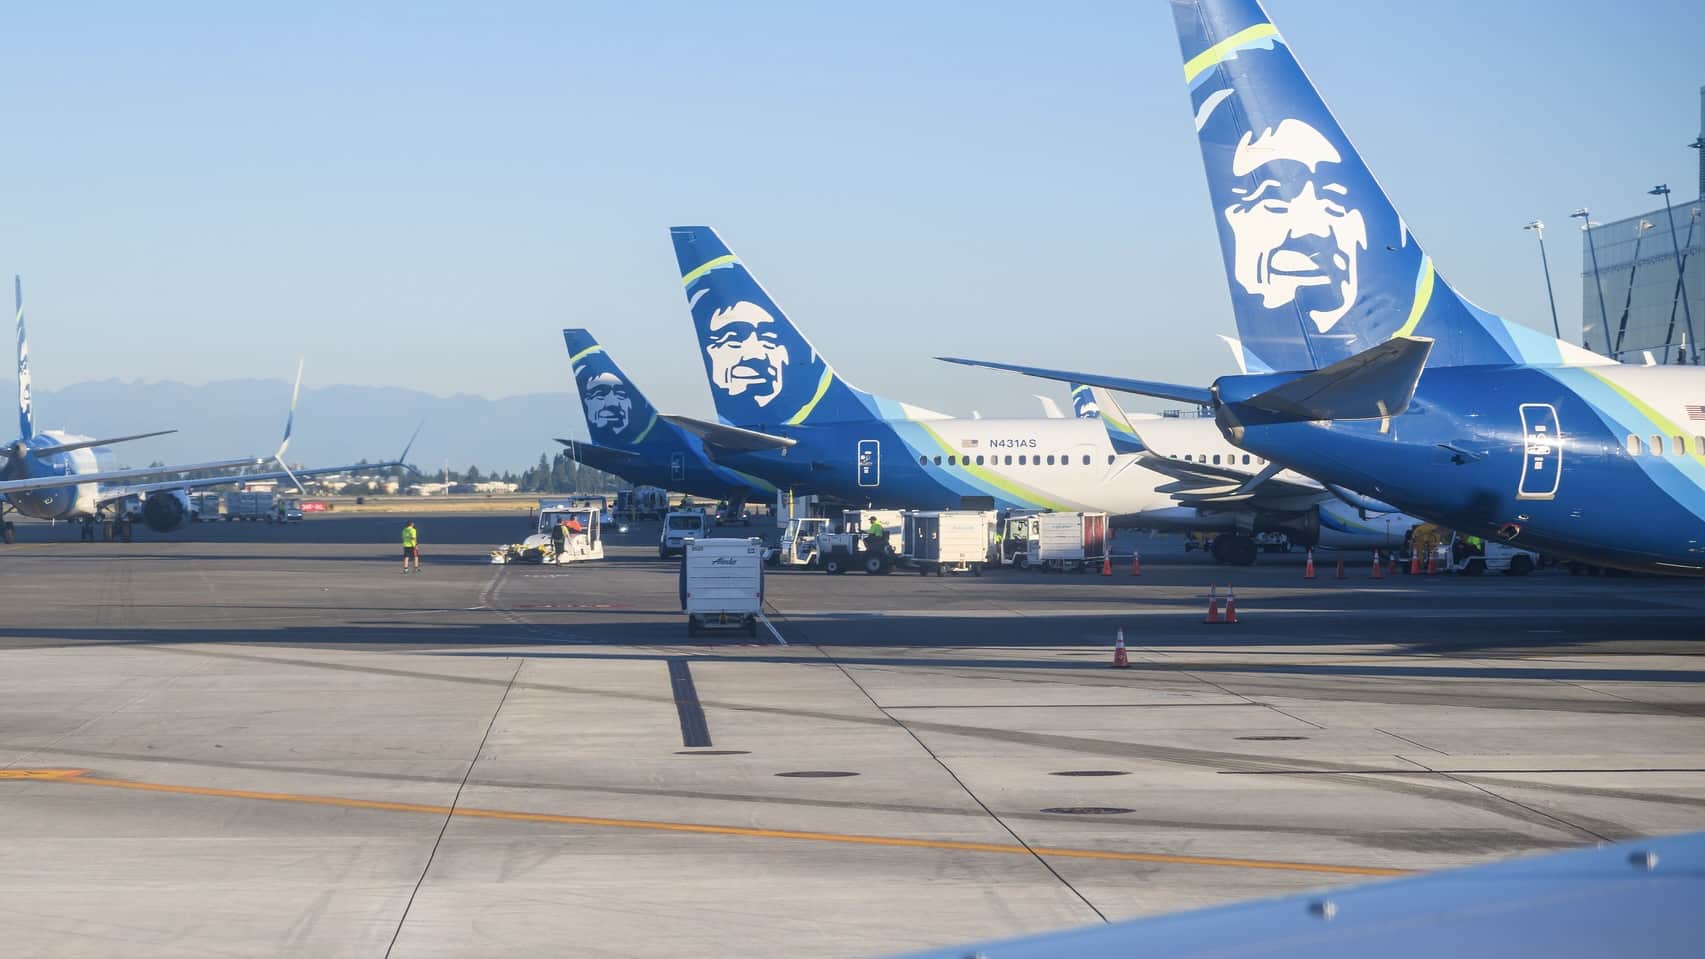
{"type": "Point", "coordinates": [763, 372]}
{"type": "Point", "coordinates": [26, 410]}
{"type": "Point", "coordinates": [1084, 405]}
{"type": "Point", "coordinates": [618, 415]}
{"type": "Point", "coordinates": [1320, 263]}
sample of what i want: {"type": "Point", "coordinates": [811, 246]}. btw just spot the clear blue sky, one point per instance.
{"type": "Point", "coordinates": [423, 194]}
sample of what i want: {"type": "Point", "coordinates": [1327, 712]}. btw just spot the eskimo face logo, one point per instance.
{"type": "Point", "coordinates": [1296, 234]}
{"type": "Point", "coordinates": [609, 405]}
{"type": "Point", "coordinates": [747, 356]}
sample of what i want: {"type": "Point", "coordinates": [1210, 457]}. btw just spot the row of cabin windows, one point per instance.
{"type": "Point", "coordinates": [1023, 460]}
{"type": "Point", "coordinates": [1230, 459]}
{"type": "Point", "coordinates": [1655, 445]}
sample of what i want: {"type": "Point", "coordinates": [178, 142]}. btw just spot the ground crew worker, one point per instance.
{"type": "Point", "coordinates": [1476, 544]}
{"type": "Point", "coordinates": [558, 533]}
{"type": "Point", "coordinates": [876, 539]}
{"type": "Point", "coordinates": [411, 546]}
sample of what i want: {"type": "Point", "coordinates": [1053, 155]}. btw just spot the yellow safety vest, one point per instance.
{"type": "Point", "coordinates": [409, 536]}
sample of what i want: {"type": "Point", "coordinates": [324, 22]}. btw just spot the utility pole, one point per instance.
{"type": "Point", "coordinates": [1592, 249]}
{"type": "Point", "coordinates": [1692, 354]}
{"type": "Point", "coordinates": [1538, 228]}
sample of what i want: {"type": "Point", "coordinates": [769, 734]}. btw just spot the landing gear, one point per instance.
{"type": "Point", "coordinates": [1235, 549]}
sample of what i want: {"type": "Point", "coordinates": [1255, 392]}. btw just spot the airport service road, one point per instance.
{"type": "Point", "coordinates": [252, 740]}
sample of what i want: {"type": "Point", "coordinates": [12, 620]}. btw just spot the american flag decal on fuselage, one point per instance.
{"type": "Point", "coordinates": [1696, 412]}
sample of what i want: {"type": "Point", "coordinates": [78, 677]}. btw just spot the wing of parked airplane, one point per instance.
{"type": "Point", "coordinates": [121, 476]}
{"type": "Point", "coordinates": [1633, 897]}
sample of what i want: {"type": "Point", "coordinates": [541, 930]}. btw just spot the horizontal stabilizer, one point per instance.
{"type": "Point", "coordinates": [1199, 395]}
{"type": "Point", "coordinates": [731, 438]}
{"type": "Point", "coordinates": [576, 447]}
{"type": "Point", "coordinates": [1372, 384]}
{"type": "Point", "coordinates": [87, 444]}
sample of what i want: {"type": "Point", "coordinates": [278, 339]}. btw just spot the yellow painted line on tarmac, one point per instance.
{"type": "Point", "coordinates": [40, 773]}
{"type": "Point", "coordinates": [79, 777]}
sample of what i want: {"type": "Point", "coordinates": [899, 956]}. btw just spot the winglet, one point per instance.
{"type": "Point", "coordinates": [289, 426]}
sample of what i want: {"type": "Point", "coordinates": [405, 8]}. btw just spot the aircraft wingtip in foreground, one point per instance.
{"type": "Point", "coordinates": [1403, 391]}
{"type": "Point", "coordinates": [1638, 897]}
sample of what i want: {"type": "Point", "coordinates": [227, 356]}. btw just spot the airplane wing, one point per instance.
{"type": "Point", "coordinates": [121, 476]}
{"type": "Point", "coordinates": [731, 438]}
{"type": "Point", "coordinates": [1634, 897]}
{"type": "Point", "coordinates": [110, 494]}
{"type": "Point", "coordinates": [1199, 395]}
{"type": "Point", "coordinates": [1206, 486]}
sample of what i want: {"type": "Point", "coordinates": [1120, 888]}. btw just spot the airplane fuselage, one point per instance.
{"type": "Point", "coordinates": [73, 500]}
{"type": "Point", "coordinates": [1600, 463]}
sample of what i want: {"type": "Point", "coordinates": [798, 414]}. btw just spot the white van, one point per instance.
{"type": "Point", "coordinates": [678, 527]}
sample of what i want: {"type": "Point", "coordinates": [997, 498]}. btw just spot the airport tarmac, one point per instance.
{"type": "Point", "coordinates": [254, 741]}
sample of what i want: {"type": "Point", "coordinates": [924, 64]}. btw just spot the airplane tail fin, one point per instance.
{"type": "Point", "coordinates": [618, 415]}
{"type": "Point", "coordinates": [763, 372]}
{"type": "Point", "coordinates": [26, 410]}
{"type": "Point", "coordinates": [1320, 263]}
{"type": "Point", "coordinates": [1085, 404]}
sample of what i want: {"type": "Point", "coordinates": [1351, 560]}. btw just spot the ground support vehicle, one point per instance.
{"type": "Point", "coordinates": [948, 541]}
{"type": "Point", "coordinates": [798, 543]}
{"type": "Point", "coordinates": [249, 505]}
{"type": "Point", "coordinates": [205, 507]}
{"type": "Point", "coordinates": [583, 536]}
{"type": "Point", "coordinates": [1464, 558]}
{"type": "Point", "coordinates": [852, 546]}
{"type": "Point", "coordinates": [1055, 541]}
{"type": "Point", "coordinates": [722, 584]}
{"type": "Point", "coordinates": [679, 526]}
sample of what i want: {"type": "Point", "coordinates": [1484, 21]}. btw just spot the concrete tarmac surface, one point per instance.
{"type": "Point", "coordinates": [241, 740]}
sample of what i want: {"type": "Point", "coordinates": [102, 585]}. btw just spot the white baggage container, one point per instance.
{"type": "Point", "coordinates": [948, 540]}
{"type": "Point", "coordinates": [722, 583]}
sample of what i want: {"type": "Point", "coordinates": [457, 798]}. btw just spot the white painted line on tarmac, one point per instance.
{"type": "Point", "coordinates": [772, 628]}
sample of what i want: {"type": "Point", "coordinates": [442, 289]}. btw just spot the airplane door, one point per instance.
{"type": "Point", "coordinates": [869, 463]}
{"type": "Point", "coordinates": [1542, 462]}
{"type": "Point", "coordinates": [677, 466]}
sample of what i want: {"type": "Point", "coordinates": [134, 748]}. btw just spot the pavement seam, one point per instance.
{"type": "Point", "coordinates": [1032, 850]}
{"type": "Point", "coordinates": [1574, 826]}
{"type": "Point", "coordinates": [451, 812]}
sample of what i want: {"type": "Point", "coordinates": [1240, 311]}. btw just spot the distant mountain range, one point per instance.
{"type": "Point", "coordinates": [334, 424]}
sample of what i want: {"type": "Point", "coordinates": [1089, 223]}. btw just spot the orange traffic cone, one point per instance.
{"type": "Point", "coordinates": [1391, 561]}
{"type": "Point", "coordinates": [1106, 564]}
{"type": "Point", "coordinates": [1414, 563]}
{"type": "Point", "coordinates": [1340, 570]}
{"type": "Point", "coordinates": [1378, 569]}
{"type": "Point", "coordinates": [1231, 604]}
{"type": "Point", "coordinates": [1136, 561]}
{"type": "Point", "coordinates": [1432, 562]}
{"type": "Point", "coordinates": [1213, 606]}
{"type": "Point", "coordinates": [1119, 660]}
{"type": "Point", "coordinates": [1308, 570]}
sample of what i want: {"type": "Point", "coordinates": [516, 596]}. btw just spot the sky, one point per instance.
{"type": "Point", "coordinates": [424, 194]}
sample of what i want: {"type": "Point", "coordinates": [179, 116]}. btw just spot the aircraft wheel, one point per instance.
{"type": "Point", "coordinates": [125, 530]}
{"type": "Point", "coordinates": [9, 534]}
{"type": "Point", "coordinates": [106, 531]}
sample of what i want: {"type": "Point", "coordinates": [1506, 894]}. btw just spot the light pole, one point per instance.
{"type": "Point", "coordinates": [1592, 249]}
{"type": "Point", "coordinates": [1538, 228]}
{"type": "Point", "coordinates": [1662, 190]}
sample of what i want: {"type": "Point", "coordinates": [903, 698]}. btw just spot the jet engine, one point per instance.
{"type": "Point", "coordinates": [165, 511]}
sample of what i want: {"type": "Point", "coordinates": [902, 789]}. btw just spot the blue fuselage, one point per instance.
{"type": "Point", "coordinates": [1544, 456]}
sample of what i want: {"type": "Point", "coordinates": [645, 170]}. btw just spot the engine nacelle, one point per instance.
{"type": "Point", "coordinates": [1303, 529]}
{"type": "Point", "coordinates": [166, 510]}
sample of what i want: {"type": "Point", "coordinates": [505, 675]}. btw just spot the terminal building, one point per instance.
{"type": "Point", "coordinates": [1634, 299]}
